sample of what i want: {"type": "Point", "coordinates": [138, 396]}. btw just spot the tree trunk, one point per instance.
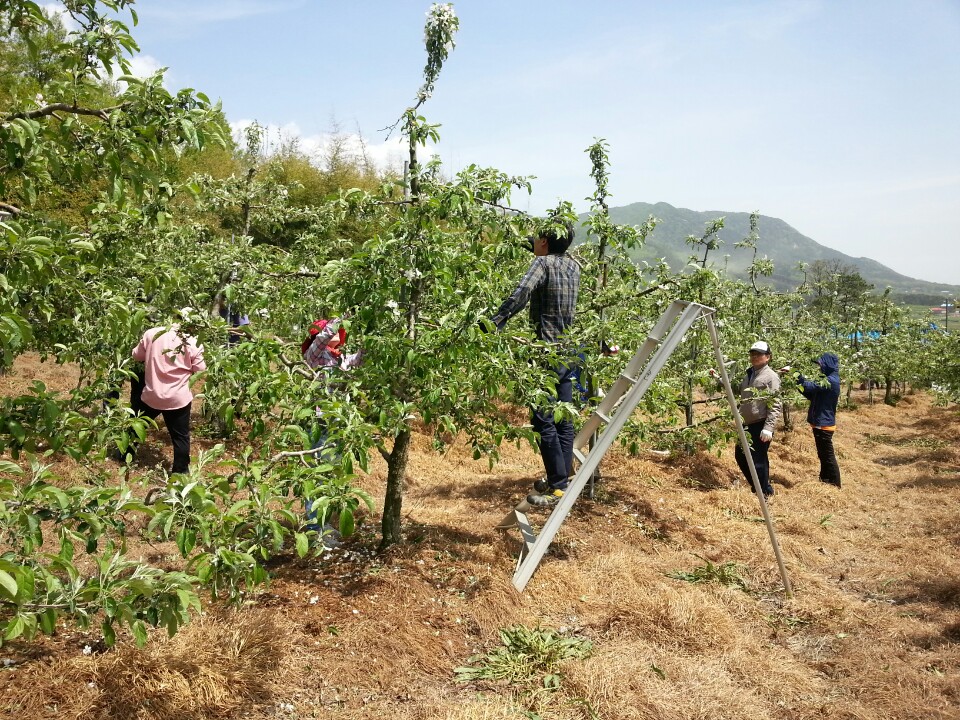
{"type": "Point", "coordinates": [393, 500]}
{"type": "Point", "coordinates": [888, 392]}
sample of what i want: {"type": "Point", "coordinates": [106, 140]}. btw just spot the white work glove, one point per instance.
{"type": "Point", "coordinates": [766, 436]}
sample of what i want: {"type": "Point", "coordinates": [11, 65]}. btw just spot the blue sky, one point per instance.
{"type": "Point", "coordinates": [839, 116]}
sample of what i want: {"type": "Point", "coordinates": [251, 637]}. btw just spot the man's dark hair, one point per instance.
{"type": "Point", "coordinates": [559, 236]}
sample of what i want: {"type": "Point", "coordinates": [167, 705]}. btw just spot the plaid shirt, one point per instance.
{"type": "Point", "coordinates": [318, 355]}
{"type": "Point", "coordinates": [551, 286]}
{"type": "Point", "coordinates": [325, 362]}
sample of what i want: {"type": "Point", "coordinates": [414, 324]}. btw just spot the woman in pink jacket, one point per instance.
{"type": "Point", "coordinates": [170, 359]}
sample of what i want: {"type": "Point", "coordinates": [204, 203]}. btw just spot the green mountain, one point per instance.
{"type": "Point", "coordinates": [778, 241]}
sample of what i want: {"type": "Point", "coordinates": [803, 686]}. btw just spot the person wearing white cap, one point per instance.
{"type": "Point", "coordinates": [759, 409]}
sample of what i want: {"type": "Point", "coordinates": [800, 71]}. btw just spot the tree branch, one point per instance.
{"type": "Point", "coordinates": [13, 210]}
{"type": "Point", "coordinates": [670, 431]}
{"type": "Point", "coordinates": [289, 454]}
{"type": "Point", "coordinates": [102, 113]}
{"type": "Point", "coordinates": [489, 203]}
{"type": "Point", "coordinates": [297, 367]}
{"type": "Point", "coordinates": [74, 109]}
{"type": "Point", "coordinates": [294, 274]}
{"type": "Point", "coordinates": [706, 401]}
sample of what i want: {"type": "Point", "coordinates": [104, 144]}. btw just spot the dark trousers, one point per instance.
{"type": "Point", "coordinates": [556, 438]}
{"type": "Point", "coordinates": [829, 469]}
{"type": "Point", "coordinates": [177, 422]}
{"type": "Point", "coordinates": [758, 451]}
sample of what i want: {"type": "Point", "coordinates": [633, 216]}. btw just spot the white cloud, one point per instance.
{"type": "Point", "coordinates": [56, 9]}
{"type": "Point", "coordinates": [385, 155]}
{"type": "Point", "coordinates": [143, 66]}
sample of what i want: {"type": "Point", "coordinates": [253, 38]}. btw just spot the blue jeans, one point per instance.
{"type": "Point", "coordinates": [321, 451]}
{"type": "Point", "coordinates": [556, 437]}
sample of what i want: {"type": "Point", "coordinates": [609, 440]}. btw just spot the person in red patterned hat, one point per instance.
{"type": "Point", "coordinates": [323, 350]}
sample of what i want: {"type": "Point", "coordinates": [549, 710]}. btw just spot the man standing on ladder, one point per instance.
{"type": "Point", "coordinates": [550, 285]}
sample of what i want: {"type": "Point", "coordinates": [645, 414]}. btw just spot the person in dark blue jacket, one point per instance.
{"type": "Point", "coordinates": [822, 415]}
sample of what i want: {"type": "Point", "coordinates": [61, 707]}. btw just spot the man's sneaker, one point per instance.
{"type": "Point", "coordinates": [542, 485]}
{"type": "Point", "coordinates": [547, 499]}
{"type": "Point", "coordinates": [330, 536]}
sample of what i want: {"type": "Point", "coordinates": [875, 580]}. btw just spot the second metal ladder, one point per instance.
{"type": "Point", "coordinates": [609, 418]}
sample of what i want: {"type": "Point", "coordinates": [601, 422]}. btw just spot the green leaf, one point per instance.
{"type": "Point", "coordinates": [16, 429]}
{"type": "Point", "coordinates": [9, 467]}
{"type": "Point", "coordinates": [188, 600]}
{"type": "Point", "coordinates": [15, 628]}
{"type": "Point", "coordinates": [347, 523]}
{"type": "Point", "coordinates": [109, 634]}
{"type": "Point", "coordinates": [8, 585]}
{"type": "Point", "coordinates": [139, 630]}
{"type": "Point", "coordinates": [48, 621]}
{"type": "Point", "coordinates": [186, 540]}
{"type": "Point", "coordinates": [365, 496]}
{"type": "Point", "coordinates": [303, 544]}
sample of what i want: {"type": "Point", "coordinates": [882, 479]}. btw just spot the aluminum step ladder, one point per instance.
{"type": "Point", "coordinates": [608, 419]}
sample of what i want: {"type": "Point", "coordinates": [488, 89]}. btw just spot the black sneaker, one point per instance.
{"type": "Point", "coordinates": [542, 485]}
{"type": "Point", "coordinates": [547, 499]}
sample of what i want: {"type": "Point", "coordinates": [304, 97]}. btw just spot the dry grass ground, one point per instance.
{"type": "Point", "coordinates": [873, 630]}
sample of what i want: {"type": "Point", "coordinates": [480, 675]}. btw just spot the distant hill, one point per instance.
{"type": "Point", "coordinates": [778, 241]}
